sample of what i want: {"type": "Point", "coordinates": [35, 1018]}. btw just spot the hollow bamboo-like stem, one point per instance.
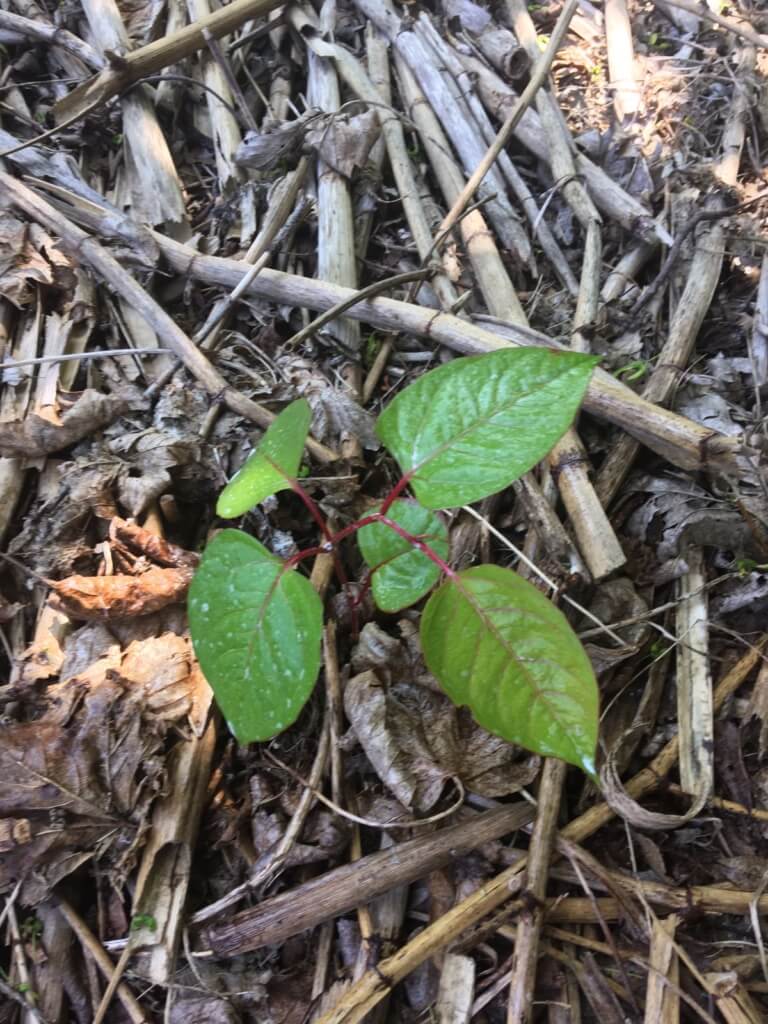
{"type": "Point", "coordinates": [529, 926]}
{"type": "Point", "coordinates": [684, 443]}
{"type": "Point", "coordinates": [336, 259]}
{"type": "Point", "coordinates": [376, 984]}
{"type": "Point", "coordinates": [464, 135]}
{"type": "Point", "coordinates": [169, 333]}
{"type": "Point", "coordinates": [156, 190]}
{"type": "Point", "coordinates": [359, 82]}
{"type": "Point", "coordinates": [621, 59]}
{"type": "Point", "coordinates": [699, 290]}
{"type": "Point", "coordinates": [155, 56]}
{"type": "Point", "coordinates": [500, 99]}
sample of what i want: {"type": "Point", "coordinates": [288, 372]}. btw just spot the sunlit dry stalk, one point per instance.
{"type": "Point", "coordinates": [700, 286]}
{"type": "Point", "coordinates": [376, 984]}
{"type": "Point", "coordinates": [155, 185]}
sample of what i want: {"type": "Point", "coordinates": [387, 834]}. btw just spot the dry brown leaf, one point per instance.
{"type": "Point", "coordinates": [323, 835]}
{"type": "Point", "coordinates": [344, 143]}
{"type": "Point", "coordinates": [745, 872]}
{"type": "Point", "coordinates": [678, 512]}
{"type": "Point", "coordinates": [204, 1010]}
{"type": "Point", "coordinates": [264, 150]}
{"type": "Point", "coordinates": [29, 256]}
{"type": "Point", "coordinates": [85, 786]}
{"type": "Point", "coordinates": [37, 436]}
{"type": "Point", "coordinates": [758, 706]}
{"type": "Point", "coordinates": [416, 740]}
{"type": "Point", "coordinates": [393, 743]}
{"type": "Point", "coordinates": [159, 670]}
{"type": "Point", "coordinates": [335, 413]}
{"type": "Point", "coordinates": [144, 542]}
{"type": "Point", "coordinates": [621, 803]}
{"type": "Point", "coordinates": [113, 597]}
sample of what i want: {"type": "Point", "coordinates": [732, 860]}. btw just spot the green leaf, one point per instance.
{"type": "Point", "coordinates": [498, 645]}
{"type": "Point", "coordinates": [471, 427]}
{"type": "Point", "coordinates": [256, 627]}
{"type": "Point", "coordinates": [402, 574]}
{"type": "Point", "coordinates": [271, 467]}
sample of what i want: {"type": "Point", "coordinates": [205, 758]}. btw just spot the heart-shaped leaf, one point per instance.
{"type": "Point", "coordinates": [256, 627]}
{"type": "Point", "coordinates": [498, 645]}
{"type": "Point", "coordinates": [402, 574]}
{"type": "Point", "coordinates": [471, 427]}
{"type": "Point", "coordinates": [271, 467]}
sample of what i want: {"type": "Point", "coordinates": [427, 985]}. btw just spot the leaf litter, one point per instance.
{"type": "Point", "coordinates": [129, 814]}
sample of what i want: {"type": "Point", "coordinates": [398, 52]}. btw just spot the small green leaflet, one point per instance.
{"type": "Point", "coordinates": [471, 427]}
{"type": "Point", "coordinates": [402, 574]}
{"type": "Point", "coordinates": [496, 644]}
{"type": "Point", "coordinates": [256, 628]}
{"type": "Point", "coordinates": [271, 467]}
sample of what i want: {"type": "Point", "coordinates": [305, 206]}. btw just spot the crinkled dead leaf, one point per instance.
{"type": "Point", "coordinates": [144, 542]}
{"type": "Point", "coordinates": [747, 871]}
{"type": "Point", "coordinates": [36, 436]}
{"type": "Point", "coordinates": [53, 538]}
{"type": "Point", "coordinates": [323, 836]}
{"type": "Point", "coordinates": [335, 413]}
{"type": "Point", "coordinates": [113, 597]}
{"type": "Point", "coordinates": [158, 669]}
{"type": "Point", "coordinates": [264, 150]}
{"type": "Point", "coordinates": [147, 459]}
{"type": "Point", "coordinates": [29, 256]}
{"type": "Point", "coordinates": [204, 1010]}
{"type": "Point", "coordinates": [615, 600]}
{"type": "Point", "coordinates": [344, 143]}
{"type": "Point", "coordinates": [416, 740]}
{"type": "Point", "coordinates": [678, 511]}
{"type": "Point", "coordinates": [83, 786]}
{"type": "Point", "coordinates": [758, 706]}
{"type": "Point", "coordinates": [393, 743]}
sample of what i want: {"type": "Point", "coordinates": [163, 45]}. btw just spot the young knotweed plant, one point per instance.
{"type": "Point", "coordinates": [495, 643]}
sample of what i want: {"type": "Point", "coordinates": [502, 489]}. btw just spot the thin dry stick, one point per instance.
{"type": "Point", "coordinates": [271, 862]}
{"type": "Point", "coordinates": [44, 32]}
{"type": "Point", "coordinates": [684, 443]}
{"type": "Point", "coordinates": [738, 28]}
{"type": "Point", "coordinates": [700, 285]}
{"type": "Point", "coordinates": [166, 329]}
{"type": "Point", "coordinates": [358, 296]}
{"type": "Point", "coordinates": [529, 926]}
{"type": "Point", "coordinates": [538, 77]}
{"type": "Point", "coordinates": [155, 56]}
{"type": "Point", "coordinates": [95, 951]}
{"type": "Point", "coordinates": [344, 888]}
{"type": "Point", "coordinates": [375, 985]}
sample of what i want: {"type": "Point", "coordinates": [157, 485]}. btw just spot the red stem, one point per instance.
{"type": "Point", "coordinates": [332, 540]}
{"type": "Point", "coordinates": [416, 542]}
{"type": "Point", "coordinates": [395, 493]}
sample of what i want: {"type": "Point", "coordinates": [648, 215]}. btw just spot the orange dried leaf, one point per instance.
{"type": "Point", "coordinates": [119, 597]}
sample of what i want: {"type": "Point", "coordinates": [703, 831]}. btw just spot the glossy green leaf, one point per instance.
{"type": "Point", "coordinates": [256, 629]}
{"type": "Point", "coordinates": [401, 574]}
{"type": "Point", "coordinates": [496, 644]}
{"type": "Point", "coordinates": [271, 467]}
{"type": "Point", "coordinates": [471, 427]}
